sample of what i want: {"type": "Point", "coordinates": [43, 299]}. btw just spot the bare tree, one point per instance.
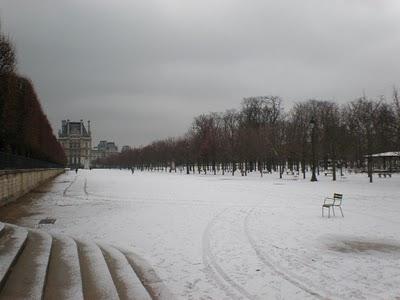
{"type": "Point", "coordinates": [261, 135]}
{"type": "Point", "coordinates": [7, 55]}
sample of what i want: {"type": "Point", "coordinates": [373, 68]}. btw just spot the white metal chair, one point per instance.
{"type": "Point", "coordinates": [330, 202]}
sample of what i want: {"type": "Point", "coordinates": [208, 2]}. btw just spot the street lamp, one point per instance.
{"type": "Point", "coordinates": [312, 125]}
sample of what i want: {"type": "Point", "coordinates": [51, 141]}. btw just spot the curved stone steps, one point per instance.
{"type": "Point", "coordinates": [12, 241]}
{"type": "Point", "coordinates": [64, 279]}
{"type": "Point", "coordinates": [124, 277]}
{"type": "Point", "coordinates": [96, 279]}
{"type": "Point", "coordinates": [39, 265]}
{"type": "Point", "coordinates": [154, 285]}
{"type": "Point", "coordinates": [22, 284]}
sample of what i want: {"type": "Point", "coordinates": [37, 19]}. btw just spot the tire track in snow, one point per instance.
{"type": "Point", "coordinates": [214, 269]}
{"type": "Point", "coordinates": [265, 260]}
{"type": "Point", "coordinates": [85, 188]}
{"type": "Point", "coordinates": [68, 187]}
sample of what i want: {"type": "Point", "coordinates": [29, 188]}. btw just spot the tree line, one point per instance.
{"type": "Point", "coordinates": [24, 128]}
{"type": "Point", "coordinates": [261, 136]}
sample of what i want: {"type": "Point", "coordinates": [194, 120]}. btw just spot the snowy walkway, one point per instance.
{"type": "Point", "coordinates": [224, 237]}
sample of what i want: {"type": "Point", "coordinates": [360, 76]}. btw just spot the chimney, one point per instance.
{"type": "Point", "coordinates": [68, 127]}
{"type": "Point", "coordinates": [88, 126]}
{"type": "Point", "coordinates": [81, 127]}
{"type": "Point", "coordinates": [63, 130]}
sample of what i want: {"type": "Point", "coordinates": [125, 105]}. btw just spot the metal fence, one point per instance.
{"type": "Point", "coordinates": [11, 161]}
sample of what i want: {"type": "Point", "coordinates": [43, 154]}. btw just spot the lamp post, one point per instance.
{"type": "Point", "coordinates": [312, 125]}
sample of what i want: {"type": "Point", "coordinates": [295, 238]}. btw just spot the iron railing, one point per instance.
{"type": "Point", "coordinates": [12, 161]}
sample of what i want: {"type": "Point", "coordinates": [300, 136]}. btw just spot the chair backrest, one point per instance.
{"type": "Point", "coordinates": [338, 198]}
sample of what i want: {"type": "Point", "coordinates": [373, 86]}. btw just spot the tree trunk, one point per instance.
{"type": "Point", "coordinates": [333, 163]}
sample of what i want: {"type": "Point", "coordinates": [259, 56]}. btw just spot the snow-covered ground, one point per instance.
{"type": "Point", "coordinates": [224, 237]}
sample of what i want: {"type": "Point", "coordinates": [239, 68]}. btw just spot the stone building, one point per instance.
{"type": "Point", "coordinates": [125, 148]}
{"type": "Point", "coordinates": [96, 154]}
{"type": "Point", "coordinates": [77, 143]}
{"type": "Point", "coordinates": [108, 148]}
{"type": "Point", "coordinates": [103, 149]}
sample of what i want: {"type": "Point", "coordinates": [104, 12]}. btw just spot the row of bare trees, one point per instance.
{"type": "Point", "coordinates": [261, 136]}
{"type": "Point", "coordinates": [24, 128]}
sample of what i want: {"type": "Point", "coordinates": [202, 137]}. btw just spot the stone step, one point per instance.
{"type": "Point", "coordinates": [96, 278]}
{"type": "Point", "coordinates": [64, 279]}
{"type": "Point", "coordinates": [12, 241]}
{"type": "Point", "coordinates": [28, 276]}
{"type": "Point", "coordinates": [149, 278]}
{"type": "Point", "coordinates": [37, 265]}
{"type": "Point", "coordinates": [125, 279]}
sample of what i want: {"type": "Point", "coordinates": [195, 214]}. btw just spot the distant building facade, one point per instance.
{"type": "Point", "coordinates": [103, 149]}
{"type": "Point", "coordinates": [108, 148]}
{"type": "Point", "coordinates": [77, 143]}
{"type": "Point", "coordinates": [125, 148]}
{"type": "Point", "coordinates": [96, 154]}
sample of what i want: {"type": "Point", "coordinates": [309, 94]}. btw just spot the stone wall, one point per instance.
{"type": "Point", "coordinates": [16, 183]}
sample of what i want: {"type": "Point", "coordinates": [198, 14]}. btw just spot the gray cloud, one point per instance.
{"type": "Point", "coordinates": [140, 70]}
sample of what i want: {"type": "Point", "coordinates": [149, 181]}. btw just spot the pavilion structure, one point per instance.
{"type": "Point", "coordinates": [386, 162]}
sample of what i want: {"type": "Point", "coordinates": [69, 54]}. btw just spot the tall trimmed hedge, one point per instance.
{"type": "Point", "coordinates": [24, 128]}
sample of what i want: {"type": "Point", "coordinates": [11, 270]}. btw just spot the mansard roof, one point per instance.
{"type": "Point", "coordinates": [73, 129]}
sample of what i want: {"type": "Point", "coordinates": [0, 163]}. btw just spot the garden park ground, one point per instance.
{"type": "Point", "coordinates": [234, 237]}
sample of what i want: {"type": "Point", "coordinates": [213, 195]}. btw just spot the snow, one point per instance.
{"type": "Point", "coordinates": [224, 237]}
{"type": "Point", "coordinates": [387, 154]}
{"type": "Point", "coordinates": [11, 241]}
{"type": "Point", "coordinates": [124, 277]}
{"type": "Point", "coordinates": [64, 279]}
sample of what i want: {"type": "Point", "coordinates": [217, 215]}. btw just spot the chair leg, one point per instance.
{"type": "Point", "coordinates": [333, 210]}
{"type": "Point", "coordinates": [341, 211]}
{"type": "Point", "coordinates": [322, 211]}
{"type": "Point", "coordinates": [329, 212]}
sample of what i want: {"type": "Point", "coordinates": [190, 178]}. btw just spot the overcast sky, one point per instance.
{"type": "Point", "coordinates": [141, 70]}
